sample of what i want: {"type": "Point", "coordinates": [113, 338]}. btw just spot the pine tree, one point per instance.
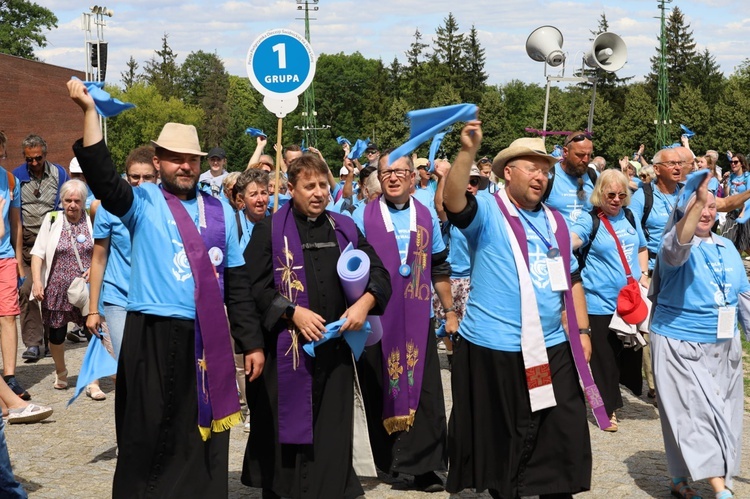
{"type": "Point", "coordinates": [416, 73]}
{"type": "Point", "coordinates": [449, 52]}
{"type": "Point", "coordinates": [680, 56]}
{"type": "Point", "coordinates": [162, 70]}
{"type": "Point", "coordinates": [705, 75]}
{"type": "Point", "coordinates": [130, 76]}
{"type": "Point", "coordinates": [474, 59]}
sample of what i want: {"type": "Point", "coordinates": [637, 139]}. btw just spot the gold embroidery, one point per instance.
{"type": "Point", "coordinates": [395, 370]}
{"type": "Point", "coordinates": [203, 368]}
{"type": "Point", "coordinates": [412, 357]}
{"type": "Point", "coordinates": [290, 286]}
{"type": "Point", "coordinates": [415, 288]}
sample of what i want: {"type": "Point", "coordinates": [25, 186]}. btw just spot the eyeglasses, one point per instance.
{"type": "Point", "coordinates": [534, 170]}
{"type": "Point", "coordinates": [399, 172]}
{"type": "Point", "coordinates": [643, 176]}
{"type": "Point", "coordinates": [38, 159]}
{"type": "Point", "coordinates": [670, 164]}
{"type": "Point", "coordinates": [577, 138]}
{"type": "Point", "coordinates": [421, 168]}
{"type": "Point", "coordinates": [473, 181]}
{"type": "Point", "coordinates": [735, 162]}
{"type": "Point", "coordinates": [483, 161]}
{"type": "Point", "coordinates": [612, 195]}
{"type": "Point", "coordinates": [371, 152]}
{"type": "Point", "coordinates": [146, 178]}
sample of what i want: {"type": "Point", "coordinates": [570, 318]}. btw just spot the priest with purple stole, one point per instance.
{"type": "Point", "coordinates": [518, 425]}
{"type": "Point", "coordinates": [401, 374]}
{"type": "Point", "coordinates": [302, 407]}
{"type": "Point", "coordinates": [176, 388]}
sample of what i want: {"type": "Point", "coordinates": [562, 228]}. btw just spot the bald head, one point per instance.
{"type": "Point", "coordinates": [687, 161]}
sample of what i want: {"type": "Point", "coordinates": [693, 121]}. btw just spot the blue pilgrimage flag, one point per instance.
{"type": "Point", "coordinates": [355, 339]}
{"type": "Point", "coordinates": [687, 132]}
{"type": "Point", "coordinates": [435, 145]}
{"type": "Point", "coordinates": [343, 140]}
{"type": "Point", "coordinates": [256, 132]}
{"type": "Point", "coordinates": [302, 146]}
{"type": "Point", "coordinates": [557, 152]}
{"type": "Point", "coordinates": [97, 363]}
{"type": "Point", "coordinates": [106, 105]}
{"type": "Point", "coordinates": [359, 149]}
{"type": "Point", "coordinates": [426, 123]}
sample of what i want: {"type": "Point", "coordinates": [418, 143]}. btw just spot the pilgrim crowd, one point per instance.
{"type": "Point", "coordinates": [551, 281]}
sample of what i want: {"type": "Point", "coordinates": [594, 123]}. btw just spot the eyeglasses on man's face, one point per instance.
{"type": "Point", "coordinates": [669, 164]}
{"type": "Point", "coordinates": [534, 170]}
{"type": "Point", "coordinates": [398, 172]}
{"type": "Point", "coordinates": [146, 178]}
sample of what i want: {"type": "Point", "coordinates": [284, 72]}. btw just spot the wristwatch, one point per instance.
{"type": "Point", "coordinates": [586, 331]}
{"type": "Point", "coordinates": [289, 312]}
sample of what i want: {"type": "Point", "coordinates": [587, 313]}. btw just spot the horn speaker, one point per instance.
{"type": "Point", "coordinates": [608, 52]}
{"type": "Point", "coordinates": [545, 45]}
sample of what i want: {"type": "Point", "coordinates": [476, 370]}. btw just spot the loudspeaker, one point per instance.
{"type": "Point", "coordinates": [608, 52]}
{"type": "Point", "coordinates": [545, 44]}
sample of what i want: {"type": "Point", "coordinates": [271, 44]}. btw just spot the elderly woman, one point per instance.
{"type": "Point", "coordinates": [61, 253]}
{"type": "Point", "coordinates": [696, 350]}
{"type": "Point", "coordinates": [647, 174]}
{"type": "Point", "coordinates": [251, 191]}
{"type": "Point", "coordinates": [603, 276]}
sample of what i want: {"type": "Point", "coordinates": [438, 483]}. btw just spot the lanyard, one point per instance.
{"type": "Point", "coordinates": [719, 283]}
{"type": "Point", "coordinates": [551, 252]}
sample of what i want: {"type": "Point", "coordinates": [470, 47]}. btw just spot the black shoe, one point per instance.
{"type": "Point", "coordinates": [76, 336]}
{"type": "Point", "coordinates": [47, 352]}
{"type": "Point", "coordinates": [16, 387]}
{"type": "Point", "coordinates": [32, 354]}
{"type": "Point", "coordinates": [428, 482]}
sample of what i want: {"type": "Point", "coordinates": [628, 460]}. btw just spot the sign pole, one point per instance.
{"type": "Point", "coordinates": [279, 156]}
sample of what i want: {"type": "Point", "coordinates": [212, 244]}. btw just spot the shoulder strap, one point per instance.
{"type": "Point", "coordinates": [583, 252]}
{"type": "Point", "coordinates": [648, 203]}
{"type": "Point", "coordinates": [239, 225]}
{"type": "Point", "coordinates": [551, 181]}
{"type": "Point", "coordinates": [592, 175]}
{"type": "Point", "coordinates": [611, 231]}
{"type": "Point", "coordinates": [629, 216]}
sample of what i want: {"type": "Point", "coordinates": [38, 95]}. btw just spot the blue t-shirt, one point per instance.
{"type": "Point", "coordinates": [658, 217]}
{"type": "Point", "coordinates": [738, 183]}
{"type": "Point", "coordinates": [162, 282]}
{"type": "Point", "coordinates": [689, 297]}
{"type": "Point", "coordinates": [713, 185]}
{"type": "Point", "coordinates": [458, 253]}
{"type": "Point", "coordinates": [603, 275]}
{"type": "Point", "coordinates": [493, 309]}
{"type": "Point", "coordinates": [247, 231]}
{"type": "Point", "coordinates": [117, 273]}
{"type": "Point", "coordinates": [564, 195]}
{"type": "Point", "coordinates": [425, 196]}
{"type": "Point", "coordinates": [6, 249]}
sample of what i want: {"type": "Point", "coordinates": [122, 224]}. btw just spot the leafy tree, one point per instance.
{"type": "Point", "coordinates": [142, 124]}
{"type": "Point", "coordinates": [635, 125]}
{"type": "Point", "coordinates": [730, 121]}
{"type": "Point", "coordinates": [680, 56]}
{"type": "Point", "coordinates": [743, 70]}
{"type": "Point", "coordinates": [495, 129]}
{"type": "Point", "coordinates": [245, 109]}
{"type": "Point", "coordinates": [705, 75]}
{"type": "Point", "coordinates": [205, 82]}
{"type": "Point", "coordinates": [130, 76]}
{"type": "Point", "coordinates": [162, 70]}
{"type": "Point", "coordinates": [22, 27]}
{"type": "Point", "coordinates": [524, 103]}
{"type": "Point", "coordinates": [474, 59]}
{"type": "Point", "coordinates": [692, 110]}
{"type": "Point", "coordinates": [394, 129]}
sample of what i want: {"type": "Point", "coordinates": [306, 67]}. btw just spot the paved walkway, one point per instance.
{"type": "Point", "coordinates": [72, 454]}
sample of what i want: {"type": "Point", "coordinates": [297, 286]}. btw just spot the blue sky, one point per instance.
{"type": "Point", "coordinates": [385, 28]}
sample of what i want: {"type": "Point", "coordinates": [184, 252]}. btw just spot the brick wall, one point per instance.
{"type": "Point", "coordinates": [34, 99]}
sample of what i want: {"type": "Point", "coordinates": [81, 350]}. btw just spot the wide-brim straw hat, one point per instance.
{"type": "Point", "coordinates": [177, 137]}
{"type": "Point", "coordinates": [526, 146]}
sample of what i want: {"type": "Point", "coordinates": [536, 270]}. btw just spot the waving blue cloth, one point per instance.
{"type": "Point", "coordinates": [255, 132]}
{"type": "Point", "coordinates": [426, 123]}
{"type": "Point", "coordinates": [435, 145]}
{"type": "Point", "coordinates": [106, 105]}
{"type": "Point", "coordinates": [687, 132]}
{"type": "Point", "coordinates": [557, 152]}
{"type": "Point", "coordinates": [343, 140]}
{"type": "Point", "coordinates": [359, 149]}
{"type": "Point", "coordinates": [97, 363]}
{"type": "Point", "coordinates": [355, 339]}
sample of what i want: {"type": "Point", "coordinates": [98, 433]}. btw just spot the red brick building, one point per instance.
{"type": "Point", "coordinates": [34, 99]}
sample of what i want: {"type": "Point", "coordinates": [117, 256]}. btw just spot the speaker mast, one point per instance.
{"type": "Point", "coordinates": [663, 120]}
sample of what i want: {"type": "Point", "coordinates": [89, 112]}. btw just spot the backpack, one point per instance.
{"type": "Point", "coordinates": [583, 252]}
{"type": "Point", "coordinates": [648, 203]}
{"type": "Point", "coordinates": [592, 176]}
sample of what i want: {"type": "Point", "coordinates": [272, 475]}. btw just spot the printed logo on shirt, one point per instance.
{"type": "Point", "coordinates": [538, 267]}
{"type": "Point", "coordinates": [181, 269]}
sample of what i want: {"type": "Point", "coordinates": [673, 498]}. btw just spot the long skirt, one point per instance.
{"type": "Point", "coordinates": [421, 449]}
{"type": "Point", "coordinates": [160, 450]}
{"type": "Point", "coordinates": [323, 469]}
{"type": "Point", "coordinates": [494, 440]}
{"type": "Point", "coordinates": [739, 234]}
{"type": "Point", "coordinates": [700, 395]}
{"type": "Point", "coordinates": [612, 364]}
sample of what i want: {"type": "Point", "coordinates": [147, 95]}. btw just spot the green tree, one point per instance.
{"type": "Point", "coordinates": [22, 27]}
{"type": "Point", "coordinates": [730, 121]}
{"type": "Point", "coordinates": [162, 70]}
{"type": "Point", "coordinates": [142, 124]}
{"type": "Point", "coordinates": [635, 125]}
{"type": "Point", "coordinates": [705, 75]}
{"type": "Point", "coordinates": [205, 83]}
{"type": "Point", "coordinates": [692, 110]}
{"type": "Point", "coordinates": [245, 109]}
{"type": "Point", "coordinates": [525, 106]}
{"type": "Point", "coordinates": [474, 58]}
{"type": "Point", "coordinates": [130, 76]}
{"type": "Point", "coordinates": [417, 73]}
{"type": "Point", "coordinates": [680, 56]}
{"type": "Point", "coordinates": [495, 128]}
{"type": "Point", "coordinates": [449, 52]}
{"type": "Point", "coordinates": [393, 127]}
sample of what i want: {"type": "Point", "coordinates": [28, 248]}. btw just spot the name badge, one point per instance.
{"type": "Point", "coordinates": [727, 321]}
{"type": "Point", "coordinates": [558, 276]}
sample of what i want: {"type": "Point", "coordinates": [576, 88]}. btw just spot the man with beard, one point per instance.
{"type": "Point", "coordinates": [572, 180]}
{"type": "Point", "coordinates": [176, 389]}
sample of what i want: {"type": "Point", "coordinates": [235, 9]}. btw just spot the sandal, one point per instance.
{"type": "Point", "coordinates": [727, 493]}
{"type": "Point", "coordinates": [61, 380]}
{"type": "Point", "coordinates": [612, 424]}
{"type": "Point", "coordinates": [95, 393]}
{"type": "Point", "coordinates": [684, 492]}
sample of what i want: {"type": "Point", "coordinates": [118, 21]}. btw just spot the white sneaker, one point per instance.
{"type": "Point", "coordinates": [32, 413]}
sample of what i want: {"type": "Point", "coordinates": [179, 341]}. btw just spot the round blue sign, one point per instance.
{"type": "Point", "coordinates": [280, 63]}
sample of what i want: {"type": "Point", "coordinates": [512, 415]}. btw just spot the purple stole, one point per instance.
{"type": "Point", "coordinates": [406, 318]}
{"type": "Point", "coordinates": [584, 373]}
{"type": "Point", "coordinates": [295, 371]}
{"type": "Point", "coordinates": [218, 405]}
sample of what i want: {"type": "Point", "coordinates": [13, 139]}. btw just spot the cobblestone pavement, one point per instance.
{"type": "Point", "coordinates": [72, 454]}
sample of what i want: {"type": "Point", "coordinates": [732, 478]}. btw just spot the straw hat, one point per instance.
{"type": "Point", "coordinates": [177, 137]}
{"type": "Point", "coordinates": [526, 146]}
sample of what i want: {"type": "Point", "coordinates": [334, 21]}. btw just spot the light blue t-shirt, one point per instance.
{"type": "Point", "coordinates": [117, 273]}
{"type": "Point", "coordinates": [425, 196]}
{"type": "Point", "coordinates": [603, 275]}
{"type": "Point", "coordinates": [161, 280]}
{"type": "Point", "coordinates": [6, 249]}
{"type": "Point", "coordinates": [564, 195]}
{"type": "Point", "coordinates": [247, 231]}
{"type": "Point", "coordinates": [657, 219]}
{"type": "Point", "coordinates": [738, 183]}
{"type": "Point", "coordinates": [458, 254]}
{"type": "Point", "coordinates": [493, 310]}
{"type": "Point", "coordinates": [689, 297]}
{"type": "Point", "coordinates": [713, 185]}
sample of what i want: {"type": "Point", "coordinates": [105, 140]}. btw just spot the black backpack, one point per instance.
{"type": "Point", "coordinates": [590, 171]}
{"type": "Point", "coordinates": [648, 203]}
{"type": "Point", "coordinates": [583, 252]}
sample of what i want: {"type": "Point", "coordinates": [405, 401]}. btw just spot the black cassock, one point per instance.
{"type": "Point", "coordinates": [323, 469]}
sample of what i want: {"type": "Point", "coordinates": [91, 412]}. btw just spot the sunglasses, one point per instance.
{"type": "Point", "coordinates": [473, 181]}
{"type": "Point", "coordinates": [643, 176]}
{"type": "Point", "coordinates": [147, 178]}
{"type": "Point", "coordinates": [577, 138]}
{"type": "Point", "coordinates": [734, 161]}
{"type": "Point", "coordinates": [612, 195]}
{"type": "Point", "coordinates": [38, 159]}
{"type": "Point", "coordinates": [483, 161]}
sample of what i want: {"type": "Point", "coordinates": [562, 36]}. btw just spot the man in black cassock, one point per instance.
{"type": "Point", "coordinates": [291, 259]}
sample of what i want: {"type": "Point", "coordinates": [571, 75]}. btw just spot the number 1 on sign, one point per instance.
{"type": "Point", "coordinates": [281, 49]}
